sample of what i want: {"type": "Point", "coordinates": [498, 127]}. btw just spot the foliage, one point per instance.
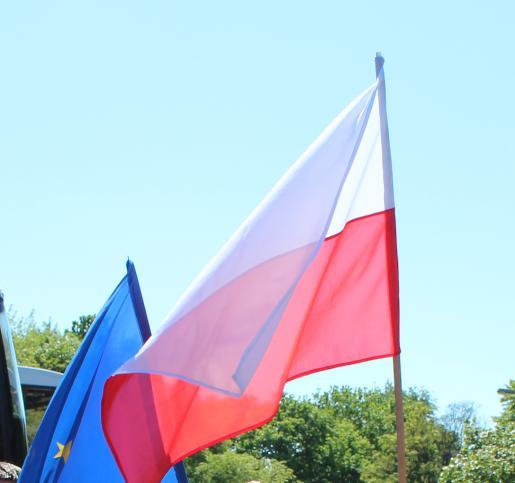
{"type": "Point", "coordinates": [508, 403]}
{"type": "Point", "coordinates": [347, 434]}
{"type": "Point", "coordinates": [43, 345]}
{"type": "Point", "coordinates": [312, 440]}
{"type": "Point", "coordinates": [373, 413]}
{"type": "Point", "coordinates": [80, 327]}
{"type": "Point", "coordinates": [231, 467]}
{"type": "Point", "coordinates": [487, 455]}
{"type": "Point", "coordinates": [425, 447]}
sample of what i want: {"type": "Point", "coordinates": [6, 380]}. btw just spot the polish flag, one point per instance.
{"type": "Point", "coordinates": [308, 282]}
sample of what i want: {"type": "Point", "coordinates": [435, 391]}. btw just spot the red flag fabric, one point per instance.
{"type": "Point", "coordinates": [309, 282]}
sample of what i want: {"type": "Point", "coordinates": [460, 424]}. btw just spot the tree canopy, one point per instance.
{"type": "Point", "coordinates": [232, 467]}
{"type": "Point", "coordinates": [487, 455]}
{"type": "Point", "coordinates": [81, 326]}
{"type": "Point", "coordinates": [43, 344]}
{"type": "Point", "coordinates": [347, 434]}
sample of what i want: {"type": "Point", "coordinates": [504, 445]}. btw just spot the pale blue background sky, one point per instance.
{"type": "Point", "coordinates": [151, 129]}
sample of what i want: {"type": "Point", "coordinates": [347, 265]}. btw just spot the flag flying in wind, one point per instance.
{"type": "Point", "coordinates": [308, 282]}
{"type": "Point", "coordinates": [69, 445]}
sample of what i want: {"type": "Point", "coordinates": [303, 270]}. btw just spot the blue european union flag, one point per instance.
{"type": "Point", "coordinates": [70, 445]}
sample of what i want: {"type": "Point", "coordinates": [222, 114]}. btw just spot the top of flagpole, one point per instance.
{"type": "Point", "coordinates": [379, 63]}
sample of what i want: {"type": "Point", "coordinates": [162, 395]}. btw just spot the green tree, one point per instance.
{"type": "Point", "coordinates": [373, 413]}
{"type": "Point", "coordinates": [43, 344]}
{"type": "Point", "coordinates": [508, 403]}
{"type": "Point", "coordinates": [80, 327]}
{"type": "Point", "coordinates": [487, 455]}
{"type": "Point", "coordinates": [371, 410]}
{"type": "Point", "coordinates": [424, 447]}
{"type": "Point", "coordinates": [231, 467]}
{"type": "Point", "coordinates": [347, 434]}
{"type": "Point", "coordinates": [312, 440]}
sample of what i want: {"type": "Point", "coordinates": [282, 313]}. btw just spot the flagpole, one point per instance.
{"type": "Point", "coordinates": [397, 382]}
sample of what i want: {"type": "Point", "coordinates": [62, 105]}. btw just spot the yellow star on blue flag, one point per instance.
{"type": "Point", "coordinates": [64, 451]}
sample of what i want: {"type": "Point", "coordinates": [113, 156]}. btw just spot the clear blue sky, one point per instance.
{"type": "Point", "coordinates": [151, 129]}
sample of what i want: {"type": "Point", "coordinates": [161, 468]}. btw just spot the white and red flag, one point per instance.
{"type": "Point", "coordinates": [308, 282]}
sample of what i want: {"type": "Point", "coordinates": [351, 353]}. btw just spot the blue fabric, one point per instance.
{"type": "Point", "coordinates": [73, 417]}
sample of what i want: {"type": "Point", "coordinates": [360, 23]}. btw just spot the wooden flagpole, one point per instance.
{"type": "Point", "coordinates": [397, 383]}
{"type": "Point", "coordinates": [399, 417]}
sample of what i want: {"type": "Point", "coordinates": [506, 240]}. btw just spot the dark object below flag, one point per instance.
{"type": "Point", "coordinates": [69, 445]}
{"type": "Point", "coordinates": [13, 440]}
